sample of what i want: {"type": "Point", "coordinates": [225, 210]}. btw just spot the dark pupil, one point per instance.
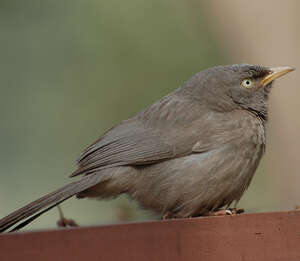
{"type": "Point", "coordinates": [247, 82]}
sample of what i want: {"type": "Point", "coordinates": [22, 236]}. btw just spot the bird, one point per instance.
{"type": "Point", "coordinates": [192, 152]}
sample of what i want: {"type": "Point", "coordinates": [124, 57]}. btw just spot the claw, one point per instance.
{"type": "Point", "coordinates": [225, 212]}
{"type": "Point", "coordinates": [167, 215]}
{"type": "Point", "coordinates": [228, 212]}
{"type": "Point", "coordinates": [63, 222]}
{"type": "Point", "coordinates": [236, 211]}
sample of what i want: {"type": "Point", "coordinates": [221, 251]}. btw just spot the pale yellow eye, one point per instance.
{"type": "Point", "coordinates": [247, 83]}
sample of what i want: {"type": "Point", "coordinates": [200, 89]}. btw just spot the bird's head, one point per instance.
{"type": "Point", "coordinates": [232, 87]}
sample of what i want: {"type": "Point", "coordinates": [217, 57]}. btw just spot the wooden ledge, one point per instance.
{"type": "Point", "coordinates": [255, 237]}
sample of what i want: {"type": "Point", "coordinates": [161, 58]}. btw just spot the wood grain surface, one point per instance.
{"type": "Point", "coordinates": [264, 236]}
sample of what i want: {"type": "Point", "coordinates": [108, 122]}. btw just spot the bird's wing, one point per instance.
{"type": "Point", "coordinates": [172, 127]}
{"type": "Point", "coordinates": [143, 139]}
{"type": "Point", "coordinates": [127, 144]}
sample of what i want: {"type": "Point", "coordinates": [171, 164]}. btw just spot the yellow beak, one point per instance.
{"type": "Point", "coordinates": [275, 73]}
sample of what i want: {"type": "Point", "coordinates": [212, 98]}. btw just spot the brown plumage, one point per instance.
{"type": "Point", "coordinates": [192, 152]}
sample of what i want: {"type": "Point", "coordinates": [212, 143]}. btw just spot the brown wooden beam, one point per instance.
{"type": "Point", "coordinates": [255, 237]}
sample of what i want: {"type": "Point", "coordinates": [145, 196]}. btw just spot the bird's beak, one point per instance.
{"type": "Point", "coordinates": [275, 73]}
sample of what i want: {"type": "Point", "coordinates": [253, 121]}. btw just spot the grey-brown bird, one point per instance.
{"type": "Point", "coordinates": [192, 152]}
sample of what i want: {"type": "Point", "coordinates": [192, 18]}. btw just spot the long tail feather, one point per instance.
{"type": "Point", "coordinates": [50, 200]}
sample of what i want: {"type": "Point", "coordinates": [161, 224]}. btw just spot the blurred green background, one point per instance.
{"type": "Point", "coordinates": [72, 69]}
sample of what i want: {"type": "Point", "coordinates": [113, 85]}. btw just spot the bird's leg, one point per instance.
{"type": "Point", "coordinates": [219, 212]}
{"type": "Point", "coordinates": [236, 211]}
{"type": "Point", "coordinates": [227, 211]}
{"type": "Point", "coordinates": [168, 215]}
{"type": "Point", "coordinates": [63, 222]}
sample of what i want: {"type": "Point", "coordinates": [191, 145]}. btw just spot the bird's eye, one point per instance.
{"type": "Point", "coordinates": [247, 83]}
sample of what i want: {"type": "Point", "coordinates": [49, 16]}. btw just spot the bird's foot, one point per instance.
{"type": "Point", "coordinates": [63, 222]}
{"type": "Point", "coordinates": [169, 215]}
{"type": "Point", "coordinates": [226, 212]}
{"type": "Point", "coordinates": [236, 211]}
{"type": "Point", "coordinates": [66, 223]}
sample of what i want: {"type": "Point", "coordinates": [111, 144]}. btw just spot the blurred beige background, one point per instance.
{"type": "Point", "coordinates": [72, 69]}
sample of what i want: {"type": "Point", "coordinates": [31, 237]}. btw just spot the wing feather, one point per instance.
{"type": "Point", "coordinates": [134, 146]}
{"type": "Point", "coordinates": [173, 127]}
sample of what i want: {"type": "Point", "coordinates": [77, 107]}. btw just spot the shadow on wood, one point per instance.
{"type": "Point", "coordinates": [264, 236]}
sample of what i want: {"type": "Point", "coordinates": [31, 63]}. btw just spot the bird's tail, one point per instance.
{"type": "Point", "coordinates": [45, 203]}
